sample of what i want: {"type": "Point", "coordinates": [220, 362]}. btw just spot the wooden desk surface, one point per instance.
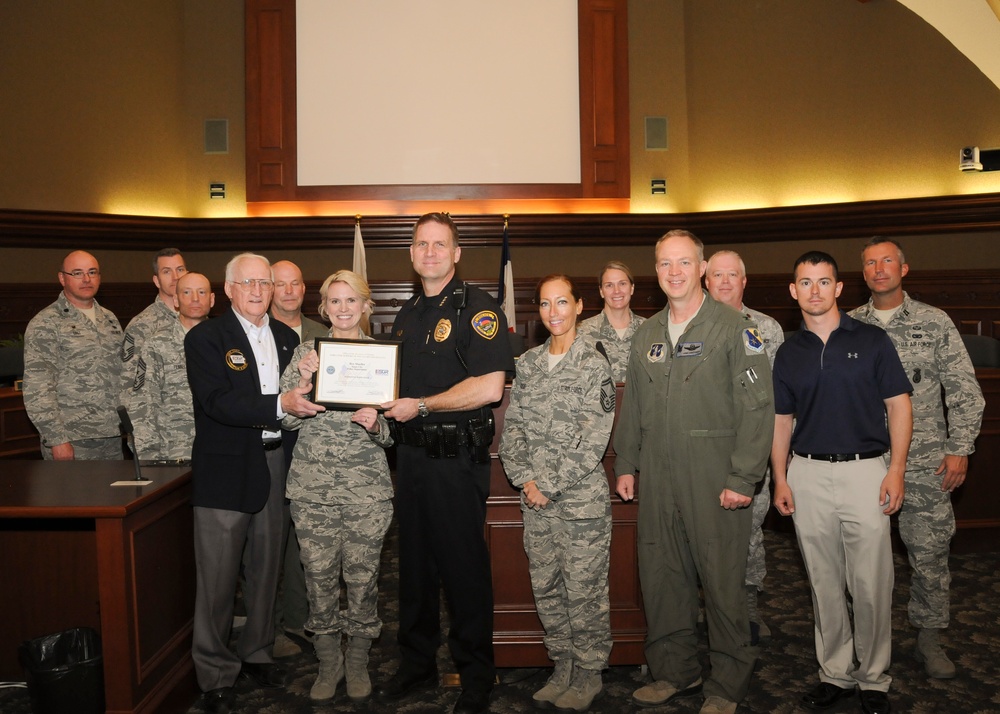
{"type": "Point", "coordinates": [81, 489]}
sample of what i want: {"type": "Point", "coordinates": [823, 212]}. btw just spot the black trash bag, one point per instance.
{"type": "Point", "coordinates": [64, 672]}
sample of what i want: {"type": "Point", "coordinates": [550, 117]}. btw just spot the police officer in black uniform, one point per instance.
{"type": "Point", "coordinates": [454, 357]}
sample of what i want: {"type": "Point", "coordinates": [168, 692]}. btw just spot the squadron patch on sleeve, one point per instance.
{"type": "Point", "coordinates": [236, 360]}
{"type": "Point", "coordinates": [752, 341]}
{"type": "Point", "coordinates": [608, 395]}
{"type": "Point", "coordinates": [485, 324]}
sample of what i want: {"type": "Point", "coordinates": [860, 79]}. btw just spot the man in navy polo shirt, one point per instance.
{"type": "Point", "coordinates": [842, 382]}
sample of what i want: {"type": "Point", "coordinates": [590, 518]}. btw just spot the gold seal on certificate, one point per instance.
{"type": "Point", "coordinates": [356, 373]}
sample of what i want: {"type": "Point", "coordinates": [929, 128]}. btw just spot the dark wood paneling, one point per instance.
{"type": "Point", "coordinates": [604, 116]}
{"type": "Point", "coordinates": [18, 436]}
{"type": "Point", "coordinates": [895, 218]}
{"type": "Point", "coordinates": [271, 116]}
{"type": "Point", "coordinates": [270, 99]}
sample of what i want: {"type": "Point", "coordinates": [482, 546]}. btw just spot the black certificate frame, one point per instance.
{"type": "Point", "coordinates": [372, 364]}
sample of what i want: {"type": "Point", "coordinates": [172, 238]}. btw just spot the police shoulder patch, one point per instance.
{"type": "Point", "coordinates": [752, 341]}
{"type": "Point", "coordinates": [485, 324]}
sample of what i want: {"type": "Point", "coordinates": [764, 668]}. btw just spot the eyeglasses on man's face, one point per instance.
{"type": "Point", "coordinates": [78, 274]}
{"type": "Point", "coordinates": [249, 283]}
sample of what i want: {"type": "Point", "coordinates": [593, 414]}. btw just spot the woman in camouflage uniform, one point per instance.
{"type": "Point", "coordinates": [616, 323]}
{"type": "Point", "coordinates": [556, 431]}
{"type": "Point", "coordinates": [340, 494]}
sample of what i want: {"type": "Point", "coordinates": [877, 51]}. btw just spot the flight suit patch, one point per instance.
{"type": "Point", "coordinates": [235, 360]}
{"type": "Point", "coordinates": [752, 341]}
{"type": "Point", "coordinates": [690, 349]}
{"type": "Point", "coordinates": [485, 324]}
{"type": "Point", "coordinates": [442, 330]}
{"type": "Point", "coordinates": [656, 352]}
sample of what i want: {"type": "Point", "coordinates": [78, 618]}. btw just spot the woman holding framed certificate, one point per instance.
{"type": "Point", "coordinates": [340, 493]}
{"type": "Point", "coordinates": [556, 430]}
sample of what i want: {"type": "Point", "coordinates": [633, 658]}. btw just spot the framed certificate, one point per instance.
{"type": "Point", "coordinates": [356, 373]}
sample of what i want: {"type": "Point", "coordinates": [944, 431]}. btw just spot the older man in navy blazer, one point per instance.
{"type": "Point", "coordinates": [234, 363]}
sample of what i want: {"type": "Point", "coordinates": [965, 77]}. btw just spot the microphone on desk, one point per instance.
{"type": "Point", "coordinates": [125, 425]}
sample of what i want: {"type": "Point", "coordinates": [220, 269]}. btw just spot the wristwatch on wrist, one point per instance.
{"type": "Point", "coordinates": [422, 409]}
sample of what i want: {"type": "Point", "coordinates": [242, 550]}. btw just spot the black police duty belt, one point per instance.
{"type": "Point", "coordinates": [444, 439]}
{"type": "Point", "coordinates": [428, 434]}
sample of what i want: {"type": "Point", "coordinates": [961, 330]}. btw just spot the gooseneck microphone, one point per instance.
{"type": "Point", "coordinates": [125, 425]}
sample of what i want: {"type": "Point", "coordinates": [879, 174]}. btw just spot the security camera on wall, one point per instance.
{"type": "Point", "coordinates": [969, 159]}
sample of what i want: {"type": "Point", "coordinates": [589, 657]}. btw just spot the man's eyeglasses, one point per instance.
{"type": "Point", "coordinates": [249, 283]}
{"type": "Point", "coordinates": [78, 274]}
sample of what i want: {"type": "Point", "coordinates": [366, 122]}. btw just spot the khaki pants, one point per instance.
{"type": "Point", "coordinates": [844, 539]}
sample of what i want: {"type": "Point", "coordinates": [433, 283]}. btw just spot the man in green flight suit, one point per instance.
{"type": "Point", "coordinates": [696, 422]}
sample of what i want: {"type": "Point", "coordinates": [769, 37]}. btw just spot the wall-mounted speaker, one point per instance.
{"type": "Point", "coordinates": [656, 133]}
{"type": "Point", "coordinates": [216, 136]}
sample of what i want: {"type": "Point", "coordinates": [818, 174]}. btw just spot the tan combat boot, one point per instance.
{"type": "Point", "coordinates": [557, 684]}
{"type": "Point", "coordinates": [584, 688]}
{"type": "Point", "coordinates": [660, 692]}
{"type": "Point", "coordinates": [331, 667]}
{"type": "Point", "coordinates": [934, 659]}
{"type": "Point", "coordinates": [717, 705]}
{"type": "Point", "coordinates": [359, 685]}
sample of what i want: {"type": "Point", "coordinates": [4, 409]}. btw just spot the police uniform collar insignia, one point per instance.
{"type": "Point", "coordinates": [485, 323]}
{"type": "Point", "coordinates": [442, 330]}
{"type": "Point", "coordinates": [656, 352]}
{"type": "Point", "coordinates": [752, 341]}
{"type": "Point", "coordinates": [235, 360]}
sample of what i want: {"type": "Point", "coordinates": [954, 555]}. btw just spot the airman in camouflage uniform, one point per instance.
{"type": "Point", "coordinates": [168, 266]}
{"type": "Point", "coordinates": [556, 431]}
{"type": "Point", "coordinates": [162, 410]}
{"type": "Point", "coordinates": [935, 359]}
{"type": "Point", "coordinates": [616, 286]}
{"type": "Point", "coordinates": [341, 505]}
{"type": "Point", "coordinates": [726, 279]}
{"type": "Point", "coordinates": [71, 368]}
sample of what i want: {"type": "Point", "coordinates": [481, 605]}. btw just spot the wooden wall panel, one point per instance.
{"type": "Point", "coordinates": [604, 117]}
{"type": "Point", "coordinates": [972, 213]}
{"type": "Point", "coordinates": [270, 99]}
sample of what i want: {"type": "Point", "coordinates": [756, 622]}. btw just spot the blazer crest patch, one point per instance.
{"type": "Point", "coordinates": [236, 360]}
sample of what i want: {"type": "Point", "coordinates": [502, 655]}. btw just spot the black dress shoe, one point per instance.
{"type": "Point", "coordinates": [266, 674]}
{"type": "Point", "coordinates": [405, 682]}
{"type": "Point", "coordinates": [825, 695]}
{"type": "Point", "coordinates": [473, 701]}
{"type": "Point", "coordinates": [874, 702]}
{"type": "Point", "coordinates": [218, 701]}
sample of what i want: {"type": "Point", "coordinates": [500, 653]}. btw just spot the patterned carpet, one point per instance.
{"type": "Point", "coordinates": [786, 669]}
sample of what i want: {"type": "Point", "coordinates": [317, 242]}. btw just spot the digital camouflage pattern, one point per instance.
{"type": "Point", "coordinates": [598, 328]}
{"type": "Point", "coordinates": [335, 540]}
{"type": "Point", "coordinates": [72, 373]}
{"type": "Point", "coordinates": [162, 410]}
{"type": "Point", "coordinates": [153, 319]}
{"type": "Point", "coordinates": [773, 336]}
{"type": "Point", "coordinates": [935, 358]}
{"type": "Point", "coordinates": [341, 505]}
{"type": "Point", "coordinates": [556, 431]}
